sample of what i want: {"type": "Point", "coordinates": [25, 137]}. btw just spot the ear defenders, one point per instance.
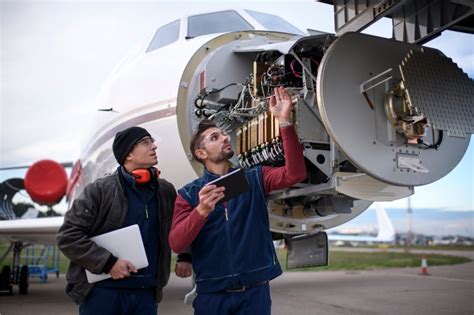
{"type": "Point", "coordinates": [144, 175]}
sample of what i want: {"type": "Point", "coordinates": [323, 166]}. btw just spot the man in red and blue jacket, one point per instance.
{"type": "Point", "coordinates": [231, 244]}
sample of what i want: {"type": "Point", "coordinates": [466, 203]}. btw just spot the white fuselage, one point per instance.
{"type": "Point", "coordinates": [143, 92]}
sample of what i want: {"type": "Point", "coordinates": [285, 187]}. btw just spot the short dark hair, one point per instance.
{"type": "Point", "coordinates": [197, 138]}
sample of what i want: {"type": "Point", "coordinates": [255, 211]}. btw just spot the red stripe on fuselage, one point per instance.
{"type": "Point", "coordinates": [129, 123]}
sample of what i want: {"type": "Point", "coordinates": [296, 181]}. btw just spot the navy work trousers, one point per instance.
{"type": "Point", "coordinates": [255, 300]}
{"type": "Point", "coordinates": [105, 301]}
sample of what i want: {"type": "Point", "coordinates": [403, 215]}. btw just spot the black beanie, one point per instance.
{"type": "Point", "coordinates": [125, 140]}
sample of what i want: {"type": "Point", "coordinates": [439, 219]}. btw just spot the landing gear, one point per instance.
{"type": "Point", "coordinates": [23, 284]}
{"type": "Point", "coordinates": [20, 274]}
{"type": "Point", "coordinates": [6, 287]}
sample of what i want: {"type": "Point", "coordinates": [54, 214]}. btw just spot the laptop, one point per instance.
{"type": "Point", "coordinates": [125, 243]}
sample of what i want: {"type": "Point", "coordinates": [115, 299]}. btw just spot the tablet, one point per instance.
{"type": "Point", "coordinates": [234, 182]}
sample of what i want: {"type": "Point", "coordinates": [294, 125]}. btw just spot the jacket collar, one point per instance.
{"type": "Point", "coordinates": [127, 179]}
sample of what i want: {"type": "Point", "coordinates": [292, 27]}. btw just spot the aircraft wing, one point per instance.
{"type": "Point", "coordinates": [359, 238]}
{"type": "Point", "coordinates": [39, 230]}
{"type": "Point", "coordinates": [386, 233]}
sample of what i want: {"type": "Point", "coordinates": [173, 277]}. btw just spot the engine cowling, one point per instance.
{"type": "Point", "coordinates": [46, 182]}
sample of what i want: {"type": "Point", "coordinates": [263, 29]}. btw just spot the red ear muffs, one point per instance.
{"type": "Point", "coordinates": [141, 175]}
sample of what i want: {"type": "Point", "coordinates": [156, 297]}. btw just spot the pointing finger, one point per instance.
{"type": "Point", "coordinates": [278, 94]}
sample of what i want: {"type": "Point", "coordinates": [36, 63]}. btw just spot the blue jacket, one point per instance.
{"type": "Point", "coordinates": [142, 210]}
{"type": "Point", "coordinates": [235, 246]}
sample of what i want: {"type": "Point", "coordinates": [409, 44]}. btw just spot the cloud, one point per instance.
{"type": "Point", "coordinates": [457, 46]}
{"type": "Point", "coordinates": [58, 139]}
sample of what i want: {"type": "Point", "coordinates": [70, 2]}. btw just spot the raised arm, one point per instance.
{"type": "Point", "coordinates": [294, 171]}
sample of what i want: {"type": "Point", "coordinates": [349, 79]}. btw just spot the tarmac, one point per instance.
{"type": "Point", "coordinates": [447, 290]}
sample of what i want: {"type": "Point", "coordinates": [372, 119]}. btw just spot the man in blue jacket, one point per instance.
{"type": "Point", "coordinates": [231, 244]}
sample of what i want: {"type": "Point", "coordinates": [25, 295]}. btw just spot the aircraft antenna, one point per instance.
{"type": "Point", "coordinates": [410, 228]}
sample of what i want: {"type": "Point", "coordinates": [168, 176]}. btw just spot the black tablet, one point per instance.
{"type": "Point", "coordinates": [234, 182]}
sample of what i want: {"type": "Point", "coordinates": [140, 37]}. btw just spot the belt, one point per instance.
{"type": "Point", "coordinates": [245, 287]}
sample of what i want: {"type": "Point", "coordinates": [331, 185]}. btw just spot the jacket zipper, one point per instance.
{"type": "Point", "coordinates": [229, 243]}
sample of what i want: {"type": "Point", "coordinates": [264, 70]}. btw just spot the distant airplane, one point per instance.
{"type": "Point", "coordinates": [375, 116]}
{"type": "Point", "coordinates": [386, 232]}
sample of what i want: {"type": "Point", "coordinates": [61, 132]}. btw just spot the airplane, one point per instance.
{"type": "Point", "coordinates": [385, 235]}
{"type": "Point", "coordinates": [360, 110]}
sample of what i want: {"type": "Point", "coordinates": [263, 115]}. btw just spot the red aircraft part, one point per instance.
{"type": "Point", "coordinates": [46, 182]}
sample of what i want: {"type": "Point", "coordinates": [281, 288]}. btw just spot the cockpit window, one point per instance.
{"type": "Point", "coordinates": [217, 22]}
{"type": "Point", "coordinates": [274, 23]}
{"type": "Point", "coordinates": [165, 35]}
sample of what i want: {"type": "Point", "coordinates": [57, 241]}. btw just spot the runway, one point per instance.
{"type": "Point", "coordinates": [448, 290]}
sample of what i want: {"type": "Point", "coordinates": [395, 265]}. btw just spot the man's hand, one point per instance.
{"type": "Point", "coordinates": [280, 104]}
{"type": "Point", "coordinates": [209, 196]}
{"type": "Point", "coordinates": [183, 269]}
{"type": "Point", "coordinates": [122, 269]}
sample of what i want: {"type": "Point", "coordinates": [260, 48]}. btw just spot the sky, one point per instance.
{"type": "Point", "coordinates": [56, 55]}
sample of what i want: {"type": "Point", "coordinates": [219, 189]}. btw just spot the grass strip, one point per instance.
{"type": "Point", "coordinates": [338, 260]}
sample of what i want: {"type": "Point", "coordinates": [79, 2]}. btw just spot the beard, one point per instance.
{"type": "Point", "coordinates": [223, 156]}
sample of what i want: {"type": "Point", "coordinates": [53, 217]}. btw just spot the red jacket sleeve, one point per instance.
{"type": "Point", "coordinates": [187, 223]}
{"type": "Point", "coordinates": [294, 171]}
